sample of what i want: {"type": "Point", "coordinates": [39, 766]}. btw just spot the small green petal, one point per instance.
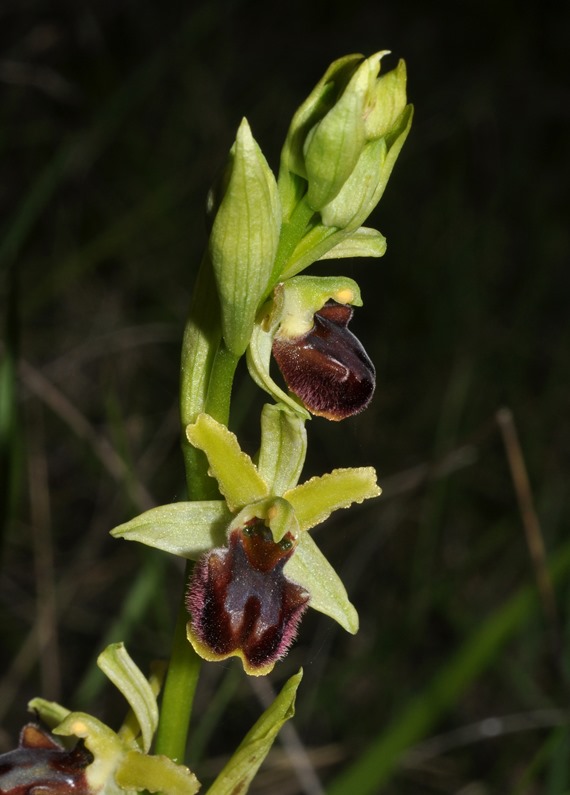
{"type": "Point", "coordinates": [237, 476]}
{"type": "Point", "coordinates": [120, 668]}
{"type": "Point", "coordinates": [364, 242]}
{"type": "Point", "coordinates": [309, 568]}
{"type": "Point", "coordinates": [139, 772]}
{"type": "Point", "coordinates": [283, 447]}
{"type": "Point", "coordinates": [187, 529]}
{"type": "Point", "coordinates": [275, 512]}
{"type": "Point", "coordinates": [103, 743]}
{"type": "Point", "coordinates": [238, 773]}
{"type": "Point", "coordinates": [296, 301]}
{"type": "Point", "coordinates": [315, 500]}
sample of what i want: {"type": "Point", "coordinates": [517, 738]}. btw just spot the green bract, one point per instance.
{"type": "Point", "coordinates": [244, 237]}
{"type": "Point", "coordinates": [266, 491]}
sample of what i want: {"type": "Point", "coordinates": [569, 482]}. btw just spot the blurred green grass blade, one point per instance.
{"type": "Point", "coordinates": [134, 609]}
{"type": "Point", "coordinates": [558, 772]}
{"type": "Point", "coordinates": [379, 761]}
{"type": "Point", "coordinates": [9, 451]}
{"type": "Point", "coordinates": [84, 149]}
{"type": "Point", "coordinates": [527, 782]}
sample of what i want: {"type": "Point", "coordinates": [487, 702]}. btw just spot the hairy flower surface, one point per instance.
{"type": "Point", "coordinates": [305, 327]}
{"type": "Point", "coordinates": [327, 367]}
{"type": "Point", "coordinates": [241, 602]}
{"type": "Point", "coordinates": [258, 567]}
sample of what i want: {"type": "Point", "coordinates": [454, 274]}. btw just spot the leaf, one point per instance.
{"type": "Point", "coordinates": [187, 529]}
{"type": "Point", "coordinates": [244, 238]}
{"type": "Point", "coordinates": [238, 773]}
{"type": "Point", "coordinates": [364, 242]}
{"type": "Point", "coordinates": [120, 668]}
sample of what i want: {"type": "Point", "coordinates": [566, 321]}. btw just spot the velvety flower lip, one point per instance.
{"type": "Point", "coordinates": [327, 367]}
{"type": "Point", "coordinates": [41, 764]}
{"type": "Point", "coordinates": [241, 602]}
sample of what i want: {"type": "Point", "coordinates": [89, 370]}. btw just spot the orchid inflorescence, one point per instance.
{"type": "Point", "coordinates": [246, 522]}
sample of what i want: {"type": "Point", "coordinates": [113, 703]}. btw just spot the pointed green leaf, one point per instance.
{"type": "Point", "coordinates": [244, 238]}
{"type": "Point", "coordinates": [237, 476]}
{"type": "Point", "coordinates": [283, 447]}
{"type": "Point", "coordinates": [120, 668]}
{"type": "Point", "coordinates": [155, 774]}
{"type": "Point", "coordinates": [316, 499]}
{"type": "Point", "coordinates": [239, 771]}
{"type": "Point", "coordinates": [364, 242]}
{"type": "Point", "coordinates": [309, 568]}
{"type": "Point", "coordinates": [187, 529]}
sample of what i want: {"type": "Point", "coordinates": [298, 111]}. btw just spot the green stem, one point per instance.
{"type": "Point", "coordinates": [207, 372]}
{"type": "Point", "coordinates": [179, 689]}
{"type": "Point", "coordinates": [292, 233]}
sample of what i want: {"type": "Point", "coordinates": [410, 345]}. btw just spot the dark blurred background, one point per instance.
{"type": "Point", "coordinates": [115, 118]}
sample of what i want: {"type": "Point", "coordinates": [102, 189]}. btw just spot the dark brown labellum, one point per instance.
{"type": "Point", "coordinates": [41, 766]}
{"type": "Point", "coordinates": [327, 368]}
{"type": "Point", "coordinates": [240, 600]}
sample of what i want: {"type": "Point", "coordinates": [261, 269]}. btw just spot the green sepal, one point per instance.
{"type": "Point", "coordinates": [258, 357]}
{"type": "Point", "coordinates": [240, 770]}
{"type": "Point", "coordinates": [318, 103]}
{"type": "Point", "coordinates": [238, 479]}
{"type": "Point", "coordinates": [363, 242]}
{"type": "Point", "coordinates": [315, 500]}
{"type": "Point", "coordinates": [354, 202]}
{"type": "Point", "coordinates": [51, 713]}
{"type": "Point", "coordinates": [386, 103]}
{"type": "Point", "coordinates": [364, 187]}
{"type": "Point", "coordinates": [309, 568]}
{"type": "Point", "coordinates": [120, 668]}
{"type": "Point", "coordinates": [283, 447]}
{"type": "Point", "coordinates": [244, 237]}
{"type": "Point", "coordinates": [139, 772]}
{"type": "Point", "coordinates": [187, 529]}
